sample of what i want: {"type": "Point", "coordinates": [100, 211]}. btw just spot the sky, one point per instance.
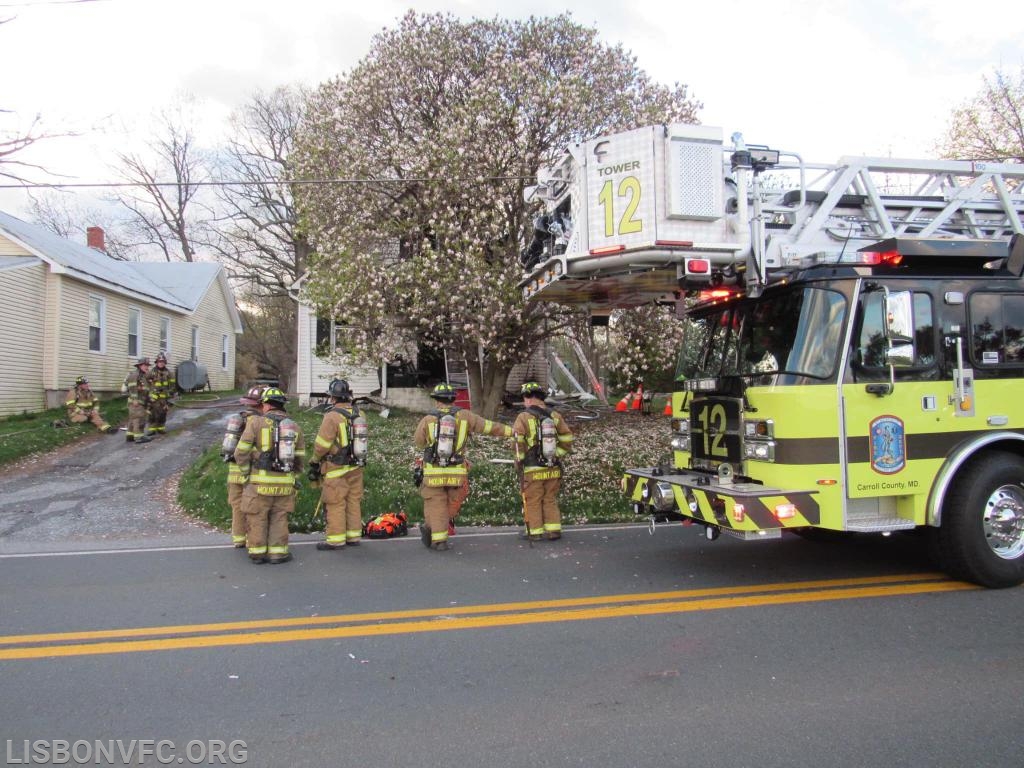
{"type": "Point", "coordinates": [820, 78]}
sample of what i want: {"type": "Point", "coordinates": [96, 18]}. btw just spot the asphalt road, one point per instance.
{"type": "Point", "coordinates": [612, 647]}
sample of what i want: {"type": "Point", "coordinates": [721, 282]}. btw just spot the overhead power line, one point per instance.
{"type": "Point", "coordinates": [272, 182]}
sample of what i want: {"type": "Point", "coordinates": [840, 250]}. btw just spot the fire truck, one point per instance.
{"type": "Point", "coordinates": [854, 354]}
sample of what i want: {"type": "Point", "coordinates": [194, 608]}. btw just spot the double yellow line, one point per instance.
{"type": "Point", "coordinates": [129, 640]}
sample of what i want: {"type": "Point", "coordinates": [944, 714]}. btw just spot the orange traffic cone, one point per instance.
{"type": "Point", "coordinates": [639, 400]}
{"type": "Point", "coordinates": [668, 408]}
{"type": "Point", "coordinates": [623, 404]}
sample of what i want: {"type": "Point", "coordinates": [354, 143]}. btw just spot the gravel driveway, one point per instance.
{"type": "Point", "coordinates": [105, 492]}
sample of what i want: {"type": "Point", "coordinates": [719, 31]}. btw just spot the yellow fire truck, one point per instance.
{"type": "Point", "coordinates": [855, 333]}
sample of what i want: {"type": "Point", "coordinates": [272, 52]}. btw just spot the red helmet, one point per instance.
{"type": "Point", "coordinates": [253, 397]}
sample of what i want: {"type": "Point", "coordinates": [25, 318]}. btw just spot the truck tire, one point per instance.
{"type": "Point", "coordinates": [981, 538]}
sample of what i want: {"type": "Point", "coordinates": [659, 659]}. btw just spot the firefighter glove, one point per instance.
{"type": "Point", "coordinates": [313, 473]}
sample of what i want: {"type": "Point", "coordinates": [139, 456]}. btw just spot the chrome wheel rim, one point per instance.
{"type": "Point", "coordinates": [1003, 520]}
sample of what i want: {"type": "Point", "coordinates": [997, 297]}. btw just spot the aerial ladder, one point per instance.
{"type": "Point", "coordinates": [652, 213]}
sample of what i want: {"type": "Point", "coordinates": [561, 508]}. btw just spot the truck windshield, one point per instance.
{"type": "Point", "coordinates": [788, 334]}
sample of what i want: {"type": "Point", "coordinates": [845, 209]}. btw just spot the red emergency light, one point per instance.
{"type": "Point", "coordinates": [698, 266]}
{"type": "Point", "coordinates": [890, 258]}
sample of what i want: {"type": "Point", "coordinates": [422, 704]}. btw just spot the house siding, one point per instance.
{"type": "Point", "coordinates": [314, 373]}
{"type": "Point", "coordinates": [214, 320]}
{"type": "Point", "coordinates": [107, 369]}
{"type": "Point", "coordinates": [22, 317]}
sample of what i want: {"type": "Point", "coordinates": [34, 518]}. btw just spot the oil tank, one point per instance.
{"type": "Point", "coordinates": [191, 376]}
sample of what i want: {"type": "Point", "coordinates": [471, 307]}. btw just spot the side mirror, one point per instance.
{"type": "Point", "coordinates": [899, 317]}
{"type": "Point", "coordinates": [900, 355]}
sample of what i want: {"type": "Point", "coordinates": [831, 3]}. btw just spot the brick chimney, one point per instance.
{"type": "Point", "coordinates": [94, 239]}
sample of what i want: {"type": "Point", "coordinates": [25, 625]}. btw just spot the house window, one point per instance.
{"type": "Point", "coordinates": [165, 335]}
{"type": "Point", "coordinates": [194, 352]}
{"type": "Point", "coordinates": [224, 351]}
{"type": "Point", "coordinates": [97, 323]}
{"type": "Point", "coordinates": [134, 331]}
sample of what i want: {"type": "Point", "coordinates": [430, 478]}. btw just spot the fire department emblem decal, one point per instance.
{"type": "Point", "coordinates": [888, 445]}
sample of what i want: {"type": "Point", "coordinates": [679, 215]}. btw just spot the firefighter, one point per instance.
{"type": "Point", "coordinates": [84, 406]}
{"type": "Point", "coordinates": [136, 384]}
{"type": "Point", "coordinates": [161, 390]}
{"type": "Point", "coordinates": [542, 439]}
{"type": "Point", "coordinates": [269, 454]}
{"type": "Point", "coordinates": [441, 435]}
{"type": "Point", "coordinates": [236, 482]}
{"type": "Point", "coordinates": [339, 457]}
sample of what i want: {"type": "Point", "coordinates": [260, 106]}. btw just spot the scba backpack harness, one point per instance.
{"type": "Point", "coordinates": [544, 451]}
{"type": "Point", "coordinates": [386, 526]}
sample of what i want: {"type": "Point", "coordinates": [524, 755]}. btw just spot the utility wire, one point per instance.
{"type": "Point", "coordinates": [48, 2]}
{"type": "Point", "coordinates": [273, 182]}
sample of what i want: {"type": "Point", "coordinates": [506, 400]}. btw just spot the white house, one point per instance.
{"type": "Point", "coordinates": [315, 371]}
{"type": "Point", "coordinates": [70, 310]}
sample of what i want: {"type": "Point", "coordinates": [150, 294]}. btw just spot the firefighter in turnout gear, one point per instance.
{"type": "Point", "coordinates": [542, 438]}
{"type": "Point", "coordinates": [441, 435]}
{"type": "Point", "coordinates": [339, 457]}
{"type": "Point", "coordinates": [236, 482]}
{"type": "Point", "coordinates": [161, 390]}
{"type": "Point", "coordinates": [269, 455]}
{"type": "Point", "coordinates": [84, 406]}
{"type": "Point", "coordinates": [136, 384]}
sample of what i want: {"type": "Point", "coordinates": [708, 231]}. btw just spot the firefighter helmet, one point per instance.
{"type": "Point", "coordinates": [160, 358]}
{"type": "Point", "coordinates": [533, 389]}
{"type": "Point", "coordinates": [274, 396]}
{"type": "Point", "coordinates": [444, 391]}
{"type": "Point", "coordinates": [253, 397]}
{"type": "Point", "coordinates": [142, 361]}
{"type": "Point", "coordinates": [80, 381]}
{"type": "Point", "coordinates": [340, 390]}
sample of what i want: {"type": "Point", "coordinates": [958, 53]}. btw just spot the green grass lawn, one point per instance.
{"type": "Point", "coordinates": [29, 433]}
{"type": "Point", "coordinates": [590, 490]}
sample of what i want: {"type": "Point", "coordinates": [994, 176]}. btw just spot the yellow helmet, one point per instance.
{"type": "Point", "coordinates": [274, 396]}
{"type": "Point", "coordinates": [443, 391]}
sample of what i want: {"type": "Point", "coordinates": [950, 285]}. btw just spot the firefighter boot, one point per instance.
{"type": "Point", "coordinates": [425, 535]}
{"type": "Point", "coordinates": [323, 546]}
{"type": "Point", "coordinates": [278, 559]}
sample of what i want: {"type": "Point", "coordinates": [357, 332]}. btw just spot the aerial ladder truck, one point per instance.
{"type": "Point", "coordinates": [854, 357]}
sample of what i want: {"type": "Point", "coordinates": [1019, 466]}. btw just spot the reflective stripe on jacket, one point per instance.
{"type": "Point", "coordinates": [162, 384]}
{"type": "Point", "coordinates": [258, 439]}
{"type": "Point", "coordinates": [467, 423]}
{"type": "Point", "coordinates": [526, 432]}
{"type": "Point", "coordinates": [332, 440]}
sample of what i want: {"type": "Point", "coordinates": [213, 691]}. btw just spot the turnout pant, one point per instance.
{"type": "Point", "coordinates": [266, 522]}
{"type": "Point", "coordinates": [540, 507]}
{"type": "Point", "coordinates": [92, 416]}
{"type": "Point", "coordinates": [235, 494]}
{"type": "Point", "coordinates": [441, 504]}
{"type": "Point", "coordinates": [158, 416]}
{"type": "Point", "coordinates": [343, 496]}
{"type": "Point", "coordinates": [137, 416]}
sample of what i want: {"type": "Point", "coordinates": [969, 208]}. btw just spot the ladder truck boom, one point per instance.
{"type": "Point", "coordinates": [643, 215]}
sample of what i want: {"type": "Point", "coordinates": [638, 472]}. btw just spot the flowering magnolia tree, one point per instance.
{"type": "Point", "coordinates": [435, 134]}
{"type": "Point", "coordinates": [989, 125]}
{"type": "Point", "coordinates": [645, 344]}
